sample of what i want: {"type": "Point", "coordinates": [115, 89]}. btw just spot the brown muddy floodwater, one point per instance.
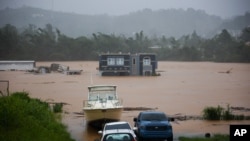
{"type": "Point", "coordinates": [184, 88]}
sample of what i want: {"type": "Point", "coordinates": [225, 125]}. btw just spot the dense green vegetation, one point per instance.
{"type": "Point", "coordinates": [45, 44]}
{"type": "Point", "coordinates": [220, 113]}
{"type": "Point", "coordinates": [57, 107]}
{"type": "Point", "coordinates": [216, 137]}
{"type": "Point", "coordinates": [25, 119]}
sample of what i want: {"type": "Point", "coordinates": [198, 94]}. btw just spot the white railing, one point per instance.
{"type": "Point", "coordinates": [94, 103]}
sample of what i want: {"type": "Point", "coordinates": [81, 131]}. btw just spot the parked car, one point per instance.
{"type": "Point", "coordinates": [117, 125]}
{"type": "Point", "coordinates": [153, 125]}
{"type": "Point", "coordinates": [118, 135]}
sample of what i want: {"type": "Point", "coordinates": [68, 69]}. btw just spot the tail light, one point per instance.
{"type": "Point", "coordinates": [134, 139]}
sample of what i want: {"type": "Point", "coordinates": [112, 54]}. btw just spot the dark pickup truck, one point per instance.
{"type": "Point", "coordinates": [153, 125]}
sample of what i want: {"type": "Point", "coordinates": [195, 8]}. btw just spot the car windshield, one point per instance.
{"type": "Point", "coordinates": [118, 137]}
{"type": "Point", "coordinates": [154, 117]}
{"type": "Point", "coordinates": [117, 126]}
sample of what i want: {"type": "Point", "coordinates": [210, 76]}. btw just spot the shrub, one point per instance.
{"type": "Point", "coordinates": [57, 107]}
{"type": "Point", "coordinates": [212, 113]}
{"type": "Point", "coordinates": [227, 115]}
{"type": "Point", "coordinates": [26, 119]}
{"type": "Point", "coordinates": [219, 113]}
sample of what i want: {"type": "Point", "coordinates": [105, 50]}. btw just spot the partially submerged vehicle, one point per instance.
{"type": "Point", "coordinates": [153, 125]}
{"type": "Point", "coordinates": [117, 125]}
{"type": "Point", "coordinates": [118, 135]}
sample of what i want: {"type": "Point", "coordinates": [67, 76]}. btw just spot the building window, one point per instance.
{"type": "Point", "coordinates": [146, 61]}
{"type": "Point", "coordinates": [120, 61]}
{"type": "Point", "coordinates": [115, 61]}
{"type": "Point", "coordinates": [111, 61]}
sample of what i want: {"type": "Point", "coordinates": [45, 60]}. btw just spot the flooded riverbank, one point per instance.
{"type": "Point", "coordinates": [183, 88]}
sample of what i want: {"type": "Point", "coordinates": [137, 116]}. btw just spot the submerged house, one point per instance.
{"type": "Point", "coordinates": [140, 64]}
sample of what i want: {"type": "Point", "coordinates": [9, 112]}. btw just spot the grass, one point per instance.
{"type": "Point", "coordinates": [25, 119]}
{"type": "Point", "coordinates": [220, 113]}
{"type": "Point", "coordinates": [212, 113]}
{"type": "Point", "coordinates": [216, 137]}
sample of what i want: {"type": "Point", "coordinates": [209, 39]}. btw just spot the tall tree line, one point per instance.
{"type": "Point", "coordinates": [49, 44]}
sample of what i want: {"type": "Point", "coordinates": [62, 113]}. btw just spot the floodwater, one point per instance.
{"type": "Point", "coordinates": [184, 88]}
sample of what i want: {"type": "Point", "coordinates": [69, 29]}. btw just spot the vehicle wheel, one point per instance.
{"type": "Point", "coordinates": [140, 138]}
{"type": "Point", "coordinates": [170, 138]}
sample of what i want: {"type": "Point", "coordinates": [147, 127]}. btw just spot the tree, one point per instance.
{"type": "Point", "coordinates": [245, 34]}
{"type": "Point", "coordinates": [224, 46]}
{"type": "Point", "coordinates": [224, 37]}
{"type": "Point", "coordinates": [9, 39]}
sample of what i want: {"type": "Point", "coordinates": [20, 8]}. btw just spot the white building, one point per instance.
{"type": "Point", "coordinates": [17, 65]}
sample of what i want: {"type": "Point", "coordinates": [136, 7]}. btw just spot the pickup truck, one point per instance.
{"type": "Point", "coordinates": [153, 125]}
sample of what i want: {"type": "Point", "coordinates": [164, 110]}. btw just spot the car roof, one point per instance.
{"type": "Point", "coordinates": [153, 112]}
{"type": "Point", "coordinates": [118, 122]}
{"type": "Point", "coordinates": [118, 131]}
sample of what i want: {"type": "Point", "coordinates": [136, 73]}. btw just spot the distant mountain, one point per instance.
{"type": "Point", "coordinates": [171, 22]}
{"type": "Point", "coordinates": [236, 24]}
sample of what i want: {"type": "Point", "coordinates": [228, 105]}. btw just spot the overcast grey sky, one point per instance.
{"type": "Point", "coordinates": [222, 8]}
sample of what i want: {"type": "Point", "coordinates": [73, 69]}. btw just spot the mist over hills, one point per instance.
{"type": "Point", "coordinates": [171, 22]}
